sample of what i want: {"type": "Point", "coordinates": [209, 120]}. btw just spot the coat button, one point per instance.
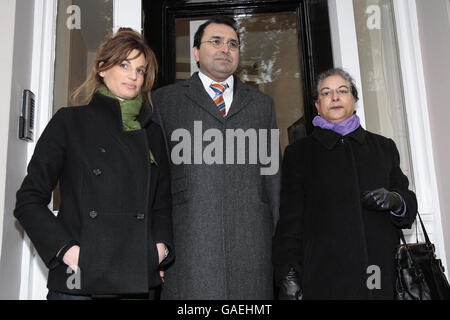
{"type": "Point", "coordinates": [97, 172]}
{"type": "Point", "coordinates": [140, 216]}
{"type": "Point", "coordinates": [93, 214]}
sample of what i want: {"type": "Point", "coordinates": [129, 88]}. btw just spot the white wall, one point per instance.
{"type": "Point", "coordinates": [127, 13]}
{"type": "Point", "coordinates": [7, 18]}
{"type": "Point", "coordinates": [434, 31]}
{"type": "Point", "coordinates": [20, 14]}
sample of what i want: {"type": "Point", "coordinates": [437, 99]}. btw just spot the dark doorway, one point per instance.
{"type": "Point", "coordinates": [285, 44]}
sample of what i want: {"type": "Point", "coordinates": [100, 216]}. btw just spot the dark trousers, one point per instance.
{"type": "Point", "coordinates": [54, 295]}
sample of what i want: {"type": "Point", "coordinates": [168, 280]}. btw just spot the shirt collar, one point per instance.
{"type": "Point", "coordinates": [207, 81]}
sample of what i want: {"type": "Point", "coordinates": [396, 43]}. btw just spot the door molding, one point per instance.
{"type": "Point", "coordinates": [345, 45]}
{"type": "Point", "coordinates": [312, 25]}
{"type": "Point", "coordinates": [33, 274]}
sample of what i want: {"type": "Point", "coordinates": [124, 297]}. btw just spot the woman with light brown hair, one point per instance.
{"type": "Point", "coordinates": [113, 234]}
{"type": "Point", "coordinates": [112, 53]}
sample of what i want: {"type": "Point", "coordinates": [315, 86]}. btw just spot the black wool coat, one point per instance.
{"type": "Point", "coordinates": [115, 203]}
{"type": "Point", "coordinates": [324, 232]}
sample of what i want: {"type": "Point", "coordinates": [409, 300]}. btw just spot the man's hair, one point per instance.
{"type": "Point", "coordinates": [336, 72]}
{"type": "Point", "coordinates": [219, 20]}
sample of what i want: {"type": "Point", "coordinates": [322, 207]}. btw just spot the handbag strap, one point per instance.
{"type": "Point", "coordinates": [417, 232]}
{"type": "Point", "coordinates": [408, 253]}
{"type": "Point", "coordinates": [402, 237]}
{"type": "Point", "coordinates": [425, 234]}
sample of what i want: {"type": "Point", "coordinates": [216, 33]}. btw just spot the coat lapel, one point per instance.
{"type": "Point", "coordinates": [197, 93]}
{"type": "Point", "coordinates": [108, 110]}
{"type": "Point", "coordinates": [241, 97]}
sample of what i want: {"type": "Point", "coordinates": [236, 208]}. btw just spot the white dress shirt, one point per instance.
{"type": "Point", "coordinates": [227, 94]}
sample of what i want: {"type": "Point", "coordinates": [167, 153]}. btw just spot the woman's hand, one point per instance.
{"type": "Point", "coordinates": [71, 257]}
{"type": "Point", "coordinates": [161, 256]}
{"type": "Point", "coordinates": [290, 286]}
{"type": "Point", "coordinates": [382, 200]}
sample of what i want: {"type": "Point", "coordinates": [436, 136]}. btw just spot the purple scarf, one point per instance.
{"type": "Point", "coordinates": [343, 128]}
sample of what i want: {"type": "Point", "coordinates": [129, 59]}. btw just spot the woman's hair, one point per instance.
{"type": "Point", "coordinates": [336, 72]}
{"type": "Point", "coordinates": [113, 52]}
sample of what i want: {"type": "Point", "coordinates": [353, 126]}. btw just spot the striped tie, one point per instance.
{"type": "Point", "coordinates": [218, 98]}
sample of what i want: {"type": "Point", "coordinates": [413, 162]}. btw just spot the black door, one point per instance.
{"type": "Point", "coordinates": [284, 45]}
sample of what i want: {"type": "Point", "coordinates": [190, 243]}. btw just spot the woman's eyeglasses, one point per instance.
{"type": "Point", "coordinates": [328, 93]}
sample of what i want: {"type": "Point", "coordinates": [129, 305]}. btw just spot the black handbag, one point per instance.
{"type": "Point", "coordinates": [420, 275]}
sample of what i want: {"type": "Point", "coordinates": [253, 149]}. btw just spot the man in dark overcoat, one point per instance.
{"type": "Point", "coordinates": [225, 184]}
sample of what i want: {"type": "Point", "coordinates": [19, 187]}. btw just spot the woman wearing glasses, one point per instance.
{"type": "Point", "coordinates": [343, 198]}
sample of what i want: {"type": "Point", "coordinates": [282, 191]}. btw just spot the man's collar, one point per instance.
{"type": "Point", "coordinates": [207, 81]}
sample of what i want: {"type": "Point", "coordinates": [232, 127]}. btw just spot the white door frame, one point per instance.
{"type": "Point", "coordinates": [418, 121]}
{"type": "Point", "coordinates": [33, 275]}
{"type": "Point", "coordinates": [345, 45]}
{"type": "Point", "coordinates": [125, 13]}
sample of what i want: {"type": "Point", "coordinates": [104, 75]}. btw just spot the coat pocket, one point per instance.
{"type": "Point", "coordinates": [114, 253]}
{"type": "Point", "coordinates": [179, 188]}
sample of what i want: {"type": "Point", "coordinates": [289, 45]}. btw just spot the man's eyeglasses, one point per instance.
{"type": "Point", "coordinates": [218, 43]}
{"type": "Point", "coordinates": [328, 93]}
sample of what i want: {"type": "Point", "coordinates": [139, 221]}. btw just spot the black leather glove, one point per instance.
{"type": "Point", "coordinates": [382, 200]}
{"type": "Point", "coordinates": [290, 287]}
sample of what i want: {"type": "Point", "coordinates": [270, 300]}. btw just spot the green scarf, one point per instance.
{"type": "Point", "coordinates": [130, 109]}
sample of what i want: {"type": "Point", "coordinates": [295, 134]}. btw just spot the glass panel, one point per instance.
{"type": "Point", "coordinates": [384, 104]}
{"type": "Point", "coordinates": [82, 25]}
{"type": "Point", "coordinates": [184, 36]}
{"type": "Point", "coordinates": [269, 60]}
